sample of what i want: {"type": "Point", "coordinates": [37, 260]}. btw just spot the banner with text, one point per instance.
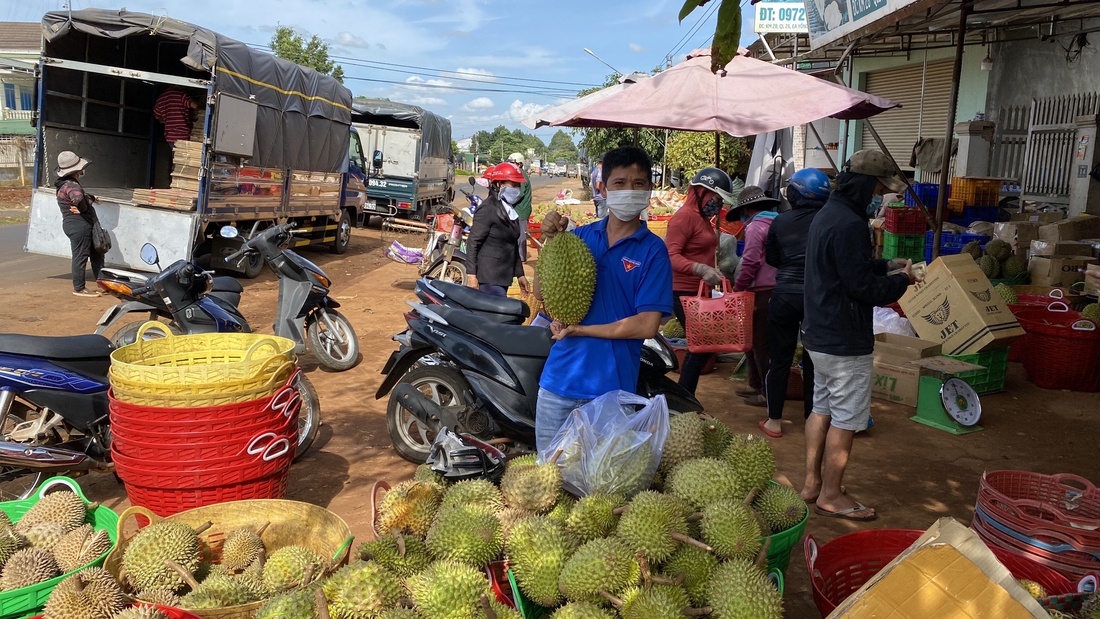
{"type": "Point", "coordinates": [780, 16]}
{"type": "Point", "coordinates": [830, 20]}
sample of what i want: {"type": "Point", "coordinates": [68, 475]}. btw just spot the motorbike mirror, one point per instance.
{"type": "Point", "coordinates": [149, 254]}
{"type": "Point", "coordinates": [229, 232]}
{"type": "Point", "coordinates": [472, 181]}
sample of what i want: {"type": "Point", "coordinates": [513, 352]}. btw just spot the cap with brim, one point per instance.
{"type": "Point", "coordinates": [69, 162]}
{"type": "Point", "coordinates": [754, 197]}
{"type": "Point", "coordinates": [875, 163]}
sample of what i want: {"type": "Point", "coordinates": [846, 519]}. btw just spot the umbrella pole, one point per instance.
{"type": "Point", "coordinates": [824, 149]}
{"type": "Point", "coordinates": [635, 136]}
{"type": "Point", "coordinates": [897, 168]}
{"type": "Point", "coordinates": [717, 218]}
{"type": "Point", "coordinates": [718, 150]}
{"type": "Point", "coordinates": [945, 167]}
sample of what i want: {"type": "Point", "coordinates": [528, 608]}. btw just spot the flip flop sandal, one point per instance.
{"type": "Point", "coordinates": [765, 430]}
{"type": "Point", "coordinates": [846, 514]}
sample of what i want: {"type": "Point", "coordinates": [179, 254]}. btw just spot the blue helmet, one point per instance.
{"type": "Point", "coordinates": [811, 183]}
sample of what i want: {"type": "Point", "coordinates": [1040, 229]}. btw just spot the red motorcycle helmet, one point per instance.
{"type": "Point", "coordinates": [505, 171]}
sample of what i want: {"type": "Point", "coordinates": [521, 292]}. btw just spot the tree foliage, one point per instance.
{"type": "Point", "coordinates": [562, 147]}
{"type": "Point", "coordinates": [727, 32]}
{"type": "Point", "coordinates": [496, 145]}
{"type": "Point", "coordinates": [454, 148]}
{"type": "Point", "coordinates": [290, 45]}
{"type": "Point", "coordinates": [690, 151]}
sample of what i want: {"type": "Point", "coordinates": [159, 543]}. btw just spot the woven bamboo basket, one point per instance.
{"type": "Point", "coordinates": [290, 523]}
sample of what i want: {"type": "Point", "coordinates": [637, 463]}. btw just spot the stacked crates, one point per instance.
{"type": "Point", "coordinates": [904, 233]}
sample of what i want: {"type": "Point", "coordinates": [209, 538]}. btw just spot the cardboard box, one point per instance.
{"type": "Point", "coordinates": [947, 572]}
{"type": "Point", "coordinates": [956, 306]}
{"type": "Point", "coordinates": [896, 380]}
{"type": "Point", "coordinates": [1043, 218]}
{"type": "Point", "coordinates": [1018, 234]}
{"type": "Point", "coordinates": [1072, 229]}
{"type": "Point", "coordinates": [1061, 248]}
{"type": "Point", "coordinates": [1095, 244]}
{"type": "Point", "coordinates": [1057, 271]}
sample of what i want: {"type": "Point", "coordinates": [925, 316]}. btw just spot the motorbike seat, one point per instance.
{"type": "Point", "coordinates": [68, 347]}
{"type": "Point", "coordinates": [476, 301]}
{"type": "Point", "coordinates": [508, 339]}
{"type": "Point", "coordinates": [227, 284]}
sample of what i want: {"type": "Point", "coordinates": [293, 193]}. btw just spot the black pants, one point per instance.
{"type": "Point", "coordinates": [784, 321]}
{"type": "Point", "coordinates": [758, 357]}
{"type": "Point", "coordinates": [79, 232]}
{"type": "Point", "coordinates": [693, 363]}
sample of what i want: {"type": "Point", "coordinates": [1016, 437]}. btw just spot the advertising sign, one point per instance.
{"type": "Point", "coordinates": [780, 16]}
{"type": "Point", "coordinates": [830, 20]}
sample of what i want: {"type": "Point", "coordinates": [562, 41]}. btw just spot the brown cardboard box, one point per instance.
{"type": "Point", "coordinates": [947, 572]}
{"type": "Point", "coordinates": [1095, 244]}
{"type": "Point", "coordinates": [957, 306]}
{"type": "Point", "coordinates": [1072, 229]}
{"type": "Point", "coordinates": [1018, 234]}
{"type": "Point", "coordinates": [1043, 218]}
{"type": "Point", "coordinates": [896, 380]}
{"type": "Point", "coordinates": [1061, 248]}
{"type": "Point", "coordinates": [1058, 271]}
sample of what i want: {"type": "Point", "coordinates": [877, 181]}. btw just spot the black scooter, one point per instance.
{"type": "Point", "coordinates": [475, 369]}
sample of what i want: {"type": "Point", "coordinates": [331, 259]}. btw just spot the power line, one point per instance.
{"type": "Point", "coordinates": [544, 93]}
{"type": "Point", "coordinates": [706, 15]}
{"type": "Point", "coordinates": [476, 81]}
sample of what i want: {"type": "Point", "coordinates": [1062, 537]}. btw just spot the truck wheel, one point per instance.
{"type": "Point", "coordinates": [343, 233]}
{"type": "Point", "coordinates": [253, 265]}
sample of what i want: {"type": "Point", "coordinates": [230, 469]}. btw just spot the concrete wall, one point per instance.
{"type": "Point", "coordinates": [117, 161]}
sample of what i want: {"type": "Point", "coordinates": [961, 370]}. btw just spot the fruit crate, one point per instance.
{"type": "Point", "coordinates": [928, 193]}
{"type": "Point", "coordinates": [951, 243]}
{"type": "Point", "coordinates": [903, 246]}
{"type": "Point", "coordinates": [975, 191]}
{"type": "Point", "coordinates": [992, 378]}
{"type": "Point", "coordinates": [905, 220]}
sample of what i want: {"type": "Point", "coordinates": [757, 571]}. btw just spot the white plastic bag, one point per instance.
{"type": "Point", "coordinates": [889, 321]}
{"type": "Point", "coordinates": [610, 444]}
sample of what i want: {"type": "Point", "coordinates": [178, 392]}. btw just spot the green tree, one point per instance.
{"type": "Point", "coordinates": [454, 148]}
{"type": "Point", "coordinates": [596, 142]}
{"type": "Point", "coordinates": [562, 147]}
{"type": "Point", "coordinates": [691, 151]}
{"type": "Point", "coordinates": [499, 143]}
{"type": "Point", "coordinates": [290, 45]}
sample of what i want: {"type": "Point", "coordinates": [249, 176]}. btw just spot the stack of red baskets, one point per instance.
{"type": "Point", "coordinates": [204, 419]}
{"type": "Point", "coordinates": [1053, 520]}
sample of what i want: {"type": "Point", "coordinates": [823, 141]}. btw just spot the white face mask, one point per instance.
{"type": "Point", "coordinates": [627, 204]}
{"type": "Point", "coordinates": [510, 194]}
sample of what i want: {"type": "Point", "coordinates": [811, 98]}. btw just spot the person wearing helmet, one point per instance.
{"type": "Point", "coordinates": [692, 241]}
{"type": "Point", "coordinates": [492, 249]}
{"type": "Point", "coordinates": [523, 207]}
{"type": "Point", "coordinates": [785, 250]}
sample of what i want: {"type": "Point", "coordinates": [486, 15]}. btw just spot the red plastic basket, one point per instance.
{"type": "Point", "coordinates": [1070, 565]}
{"type": "Point", "coordinates": [840, 567]}
{"type": "Point", "coordinates": [1065, 502]}
{"type": "Point", "coordinates": [199, 452]}
{"type": "Point", "coordinates": [172, 613]}
{"type": "Point", "coordinates": [167, 501]}
{"type": "Point", "coordinates": [183, 435]}
{"type": "Point", "coordinates": [719, 325]}
{"type": "Point", "coordinates": [1062, 350]}
{"type": "Point", "coordinates": [206, 473]}
{"type": "Point", "coordinates": [905, 220]}
{"type": "Point", "coordinates": [252, 411]}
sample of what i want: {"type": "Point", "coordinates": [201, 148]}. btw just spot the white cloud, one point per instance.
{"type": "Point", "coordinates": [418, 83]}
{"type": "Point", "coordinates": [480, 103]}
{"type": "Point", "coordinates": [637, 49]}
{"type": "Point", "coordinates": [426, 101]}
{"type": "Point", "coordinates": [480, 75]}
{"type": "Point", "coordinates": [348, 39]}
{"type": "Point", "coordinates": [520, 110]}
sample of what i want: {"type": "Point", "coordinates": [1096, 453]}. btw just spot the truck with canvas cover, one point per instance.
{"type": "Point", "coordinates": [410, 167]}
{"type": "Point", "coordinates": [269, 140]}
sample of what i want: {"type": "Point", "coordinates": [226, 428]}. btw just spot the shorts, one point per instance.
{"type": "Point", "coordinates": [842, 389]}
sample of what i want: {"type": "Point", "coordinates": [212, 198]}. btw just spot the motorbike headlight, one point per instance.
{"type": "Point", "coordinates": [662, 349]}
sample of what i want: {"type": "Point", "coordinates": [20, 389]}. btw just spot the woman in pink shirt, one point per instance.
{"type": "Point", "coordinates": [757, 211]}
{"type": "Point", "coordinates": [692, 243]}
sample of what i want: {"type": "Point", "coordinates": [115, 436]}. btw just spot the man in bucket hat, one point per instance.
{"type": "Point", "coordinates": [78, 218]}
{"type": "Point", "coordinates": [843, 283]}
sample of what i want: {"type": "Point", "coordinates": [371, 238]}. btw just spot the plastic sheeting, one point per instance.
{"type": "Point", "coordinates": [434, 129]}
{"type": "Point", "coordinates": [304, 116]}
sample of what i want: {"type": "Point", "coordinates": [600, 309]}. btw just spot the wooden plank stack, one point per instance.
{"type": "Point", "coordinates": [198, 128]}
{"type": "Point", "coordinates": [186, 161]}
{"type": "Point", "coordinates": [175, 199]}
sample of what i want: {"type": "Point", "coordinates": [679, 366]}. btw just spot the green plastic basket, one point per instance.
{"type": "Point", "coordinates": [28, 601]}
{"type": "Point", "coordinates": [776, 577]}
{"type": "Point", "coordinates": [992, 378]}
{"type": "Point", "coordinates": [526, 608]}
{"type": "Point", "coordinates": [1020, 280]}
{"type": "Point", "coordinates": [779, 553]}
{"type": "Point", "coordinates": [909, 246]}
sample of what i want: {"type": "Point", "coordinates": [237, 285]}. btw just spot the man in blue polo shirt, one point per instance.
{"type": "Point", "coordinates": [633, 291]}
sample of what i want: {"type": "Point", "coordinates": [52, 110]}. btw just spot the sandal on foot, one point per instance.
{"type": "Point", "coordinates": [765, 430]}
{"type": "Point", "coordinates": [846, 514]}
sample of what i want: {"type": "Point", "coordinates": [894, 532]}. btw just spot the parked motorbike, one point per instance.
{"type": "Point", "coordinates": [443, 256]}
{"type": "Point", "coordinates": [466, 363]}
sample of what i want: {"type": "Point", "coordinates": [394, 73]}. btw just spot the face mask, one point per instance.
{"type": "Point", "coordinates": [626, 205]}
{"type": "Point", "coordinates": [712, 207]}
{"type": "Point", "coordinates": [744, 218]}
{"type": "Point", "coordinates": [509, 194]}
{"type": "Point", "coordinates": [873, 207]}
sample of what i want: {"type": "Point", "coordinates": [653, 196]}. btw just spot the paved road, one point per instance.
{"type": "Point", "coordinates": [18, 267]}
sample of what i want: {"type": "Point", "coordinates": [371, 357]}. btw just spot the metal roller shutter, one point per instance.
{"type": "Point", "coordinates": [900, 128]}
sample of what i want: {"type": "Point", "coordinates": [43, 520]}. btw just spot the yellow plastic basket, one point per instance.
{"type": "Point", "coordinates": [532, 302]}
{"type": "Point", "coordinates": [200, 395]}
{"type": "Point", "coordinates": [204, 358]}
{"type": "Point", "coordinates": [660, 228]}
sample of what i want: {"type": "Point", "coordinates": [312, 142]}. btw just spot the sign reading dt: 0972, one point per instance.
{"type": "Point", "coordinates": [780, 17]}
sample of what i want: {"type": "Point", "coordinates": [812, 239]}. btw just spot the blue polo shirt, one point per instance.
{"type": "Point", "coordinates": [632, 277]}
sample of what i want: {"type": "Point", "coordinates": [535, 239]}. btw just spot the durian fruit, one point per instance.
{"type": "Point", "coordinates": [399, 612]}
{"type": "Point", "coordinates": [473, 492]}
{"type": "Point", "coordinates": [696, 566]}
{"type": "Point", "coordinates": [5, 521]}
{"type": "Point", "coordinates": [684, 442]}
{"type": "Point", "coordinates": [69, 603]}
{"type": "Point", "coordinates": [1013, 267]}
{"type": "Point", "coordinates": [27, 567]}
{"type": "Point", "coordinates": [582, 610]}
{"type": "Point", "coordinates": [704, 481]}
{"type": "Point", "coordinates": [594, 516]}
{"type": "Point", "coordinates": [10, 543]}
{"type": "Point", "coordinates": [537, 551]}
{"type": "Point", "coordinates": [409, 507]}
{"type": "Point", "coordinates": [562, 508]}
{"type": "Point", "coordinates": [143, 562]}
{"type": "Point", "coordinates": [1090, 608]}
{"type": "Point", "coordinates": [44, 535]}
{"type": "Point", "coordinates": [751, 457]}
{"type": "Point", "coordinates": [508, 518]}
{"type": "Point", "coordinates": [425, 473]}
{"type": "Point", "coordinates": [1033, 588]}
{"type": "Point", "coordinates": [532, 487]}
{"type": "Point", "coordinates": [780, 506]}
{"type": "Point", "coordinates": [673, 329]}
{"type": "Point", "coordinates": [500, 610]}
{"type": "Point", "coordinates": [731, 529]}
{"type": "Point", "coordinates": [566, 273]}
{"type": "Point", "coordinates": [222, 590]}
{"type": "Point", "coordinates": [103, 593]}
{"type": "Point", "coordinates": [989, 265]}
{"type": "Point", "coordinates": [241, 548]}
{"type": "Point", "coordinates": [253, 578]}
{"type": "Point", "coordinates": [651, 527]}
{"type": "Point", "coordinates": [625, 471]}
{"type": "Point", "coordinates": [657, 602]}
{"type": "Point", "coordinates": [716, 437]}
{"type": "Point", "coordinates": [162, 597]}
{"type": "Point", "coordinates": [292, 566]}
{"type": "Point", "coordinates": [403, 555]}
{"type": "Point", "coordinates": [605, 563]}
{"type": "Point", "coordinates": [1008, 295]}
{"type": "Point", "coordinates": [80, 547]}
{"type": "Point", "coordinates": [1091, 312]}
{"type": "Point", "coordinates": [64, 508]}
{"type": "Point", "coordinates": [470, 534]}
{"type": "Point", "coordinates": [449, 590]}
{"type": "Point", "coordinates": [524, 460]}
{"type": "Point", "coordinates": [141, 612]}
{"type": "Point", "coordinates": [297, 604]}
{"type": "Point", "coordinates": [362, 591]}
{"type": "Point", "coordinates": [999, 249]}
{"type": "Point", "coordinates": [974, 249]}
{"type": "Point", "coordinates": [738, 589]}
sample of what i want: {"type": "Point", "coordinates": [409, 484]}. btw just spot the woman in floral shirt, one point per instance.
{"type": "Point", "coordinates": [78, 218]}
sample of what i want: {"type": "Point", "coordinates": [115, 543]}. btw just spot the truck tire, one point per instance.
{"type": "Point", "coordinates": [253, 265]}
{"type": "Point", "coordinates": [343, 233]}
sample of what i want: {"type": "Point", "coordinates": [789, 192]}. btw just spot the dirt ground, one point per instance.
{"type": "Point", "coordinates": [911, 474]}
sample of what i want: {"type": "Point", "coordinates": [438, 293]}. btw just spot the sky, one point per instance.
{"type": "Point", "coordinates": [480, 63]}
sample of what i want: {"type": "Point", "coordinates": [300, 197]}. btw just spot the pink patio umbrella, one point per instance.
{"type": "Point", "coordinates": [749, 97]}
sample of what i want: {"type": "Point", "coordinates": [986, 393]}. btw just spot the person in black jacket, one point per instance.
{"type": "Point", "coordinates": [492, 250]}
{"type": "Point", "coordinates": [843, 284]}
{"type": "Point", "coordinates": [786, 251]}
{"type": "Point", "coordinates": [78, 219]}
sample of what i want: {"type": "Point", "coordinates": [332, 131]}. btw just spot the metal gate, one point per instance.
{"type": "Point", "coordinates": [1051, 143]}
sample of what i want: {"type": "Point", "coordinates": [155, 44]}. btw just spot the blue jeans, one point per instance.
{"type": "Point", "coordinates": [550, 414]}
{"type": "Point", "coordinates": [601, 207]}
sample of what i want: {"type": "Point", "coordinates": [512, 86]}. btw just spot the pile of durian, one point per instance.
{"type": "Point", "coordinates": [693, 549]}
{"type": "Point", "coordinates": [51, 539]}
